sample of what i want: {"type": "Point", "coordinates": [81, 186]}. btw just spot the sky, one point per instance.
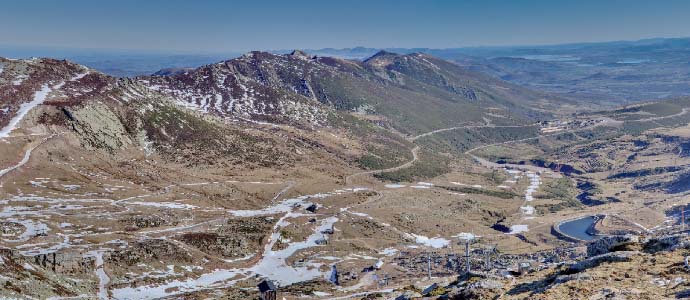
{"type": "Point", "coordinates": [213, 26]}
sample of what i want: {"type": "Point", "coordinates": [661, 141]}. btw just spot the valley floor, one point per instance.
{"type": "Point", "coordinates": [173, 245]}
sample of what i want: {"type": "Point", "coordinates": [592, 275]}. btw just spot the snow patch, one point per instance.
{"type": "Point", "coordinates": [39, 98]}
{"type": "Point", "coordinates": [395, 186]}
{"type": "Point", "coordinates": [436, 242]}
{"type": "Point", "coordinates": [518, 229]}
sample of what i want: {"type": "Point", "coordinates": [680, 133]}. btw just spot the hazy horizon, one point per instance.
{"type": "Point", "coordinates": [217, 27]}
{"type": "Point", "coordinates": [123, 51]}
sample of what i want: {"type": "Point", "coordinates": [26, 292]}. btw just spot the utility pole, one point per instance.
{"type": "Point", "coordinates": [467, 238]}
{"type": "Point", "coordinates": [467, 255]}
{"type": "Point", "coordinates": [428, 267]}
{"type": "Point", "coordinates": [487, 257]}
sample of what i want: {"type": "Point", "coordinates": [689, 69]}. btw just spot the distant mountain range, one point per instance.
{"type": "Point", "coordinates": [606, 73]}
{"type": "Point", "coordinates": [408, 92]}
{"type": "Point", "coordinates": [379, 102]}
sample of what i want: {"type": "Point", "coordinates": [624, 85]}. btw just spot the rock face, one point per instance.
{"type": "Point", "coordinates": [66, 262]}
{"type": "Point", "coordinates": [620, 256]}
{"type": "Point", "coordinates": [666, 243]}
{"type": "Point", "coordinates": [610, 243]}
{"type": "Point", "coordinates": [148, 221]}
{"type": "Point", "coordinates": [148, 250]}
{"type": "Point", "coordinates": [231, 246]}
{"type": "Point", "coordinates": [234, 239]}
{"type": "Point", "coordinates": [27, 277]}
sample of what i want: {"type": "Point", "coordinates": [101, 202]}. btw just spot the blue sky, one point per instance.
{"type": "Point", "coordinates": [216, 26]}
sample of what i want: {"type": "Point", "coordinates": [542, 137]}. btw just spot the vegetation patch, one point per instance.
{"type": "Point", "coordinates": [428, 165]}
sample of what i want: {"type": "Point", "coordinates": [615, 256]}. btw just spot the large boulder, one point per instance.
{"type": "Point", "coordinates": [620, 256]}
{"type": "Point", "coordinates": [665, 243]}
{"type": "Point", "coordinates": [611, 243]}
{"type": "Point", "coordinates": [481, 289]}
{"type": "Point", "coordinates": [570, 277]}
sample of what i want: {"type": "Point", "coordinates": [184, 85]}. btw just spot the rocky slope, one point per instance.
{"type": "Point", "coordinates": [410, 93]}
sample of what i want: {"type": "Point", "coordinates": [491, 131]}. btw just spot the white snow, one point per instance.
{"type": "Point", "coordinates": [103, 278]}
{"type": "Point", "coordinates": [32, 228]}
{"type": "Point", "coordinates": [282, 207]}
{"type": "Point", "coordinates": [518, 229]}
{"type": "Point", "coordinates": [19, 79]}
{"type": "Point", "coordinates": [39, 97]}
{"type": "Point", "coordinates": [165, 204]}
{"type": "Point", "coordinates": [436, 242]}
{"type": "Point", "coordinates": [288, 204]}
{"type": "Point", "coordinates": [465, 236]}
{"type": "Point", "coordinates": [528, 210]}
{"type": "Point", "coordinates": [24, 160]}
{"type": "Point", "coordinates": [360, 214]}
{"type": "Point", "coordinates": [395, 186]}
{"type": "Point", "coordinates": [419, 186]}
{"type": "Point", "coordinates": [535, 181]}
{"type": "Point", "coordinates": [388, 251]}
{"type": "Point", "coordinates": [273, 264]}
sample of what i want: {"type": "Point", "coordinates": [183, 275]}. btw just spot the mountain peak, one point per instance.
{"type": "Point", "coordinates": [381, 58]}
{"type": "Point", "coordinates": [382, 53]}
{"type": "Point", "coordinates": [299, 53]}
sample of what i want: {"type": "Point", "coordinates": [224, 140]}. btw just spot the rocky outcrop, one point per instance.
{"type": "Point", "coordinates": [482, 289]}
{"type": "Point", "coordinates": [148, 221]}
{"type": "Point", "coordinates": [66, 262]}
{"type": "Point", "coordinates": [611, 243]}
{"type": "Point", "coordinates": [570, 277]}
{"type": "Point", "coordinates": [231, 246]}
{"type": "Point", "coordinates": [148, 250]}
{"type": "Point", "coordinates": [665, 243]}
{"type": "Point", "coordinates": [621, 256]}
{"type": "Point", "coordinates": [234, 239]}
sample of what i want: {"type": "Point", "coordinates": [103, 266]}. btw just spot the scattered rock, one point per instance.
{"type": "Point", "coordinates": [408, 295]}
{"type": "Point", "coordinates": [148, 250]}
{"type": "Point", "coordinates": [565, 278]}
{"type": "Point", "coordinates": [610, 244]}
{"type": "Point", "coordinates": [621, 256]}
{"type": "Point", "coordinates": [667, 243]}
{"type": "Point", "coordinates": [312, 208]}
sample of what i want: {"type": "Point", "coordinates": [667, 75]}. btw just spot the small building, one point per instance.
{"type": "Point", "coordinates": [267, 290]}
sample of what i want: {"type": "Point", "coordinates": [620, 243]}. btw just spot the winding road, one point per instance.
{"type": "Point", "coordinates": [416, 148]}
